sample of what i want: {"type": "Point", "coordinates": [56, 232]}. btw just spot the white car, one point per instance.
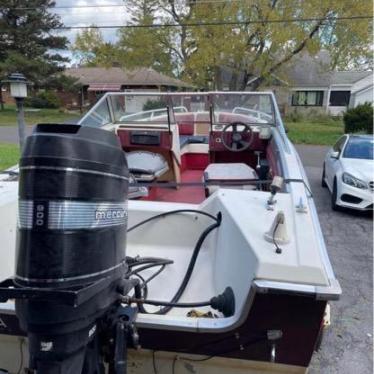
{"type": "Point", "coordinates": [348, 172]}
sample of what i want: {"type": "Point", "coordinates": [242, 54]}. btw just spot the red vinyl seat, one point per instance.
{"type": "Point", "coordinates": [186, 128]}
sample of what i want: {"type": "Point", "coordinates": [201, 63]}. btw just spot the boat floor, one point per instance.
{"type": "Point", "coordinates": [184, 194]}
{"type": "Point", "coordinates": [200, 287]}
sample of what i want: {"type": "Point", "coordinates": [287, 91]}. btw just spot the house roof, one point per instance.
{"type": "Point", "coordinates": [136, 77]}
{"type": "Point", "coordinates": [349, 77]}
{"type": "Point", "coordinates": [314, 71]}
{"type": "Point", "coordinates": [309, 71]}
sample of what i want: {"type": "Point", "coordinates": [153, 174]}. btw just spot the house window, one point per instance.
{"type": "Point", "coordinates": [340, 98]}
{"type": "Point", "coordinates": [307, 98]}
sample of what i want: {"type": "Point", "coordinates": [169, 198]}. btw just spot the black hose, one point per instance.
{"type": "Point", "coordinates": [141, 287]}
{"type": "Point", "coordinates": [153, 261]}
{"type": "Point", "coordinates": [191, 265]}
{"type": "Point", "coordinates": [224, 302]}
{"type": "Point", "coordinates": [134, 261]}
{"type": "Point", "coordinates": [151, 265]}
{"type": "Point", "coordinates": [155, 274]}
{"type": "Point", "coordinates": [169, 213]}
{"type": "Point", "coordinates": [167, 303]}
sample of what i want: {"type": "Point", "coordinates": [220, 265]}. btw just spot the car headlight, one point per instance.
{"type": "Point", "coordinates": [354, 182]}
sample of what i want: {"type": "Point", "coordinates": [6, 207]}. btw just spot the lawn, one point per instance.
{"type": "Point", "coordinates": [322, 133]}
{"type": "Point", "coordinates": [9, 155]}
{"type": "Point", "coordinates": [34, 116]}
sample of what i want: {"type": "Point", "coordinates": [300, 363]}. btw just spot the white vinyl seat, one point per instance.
{"type": "Point", "coordinates": [226, 173]}
{"type": "Point", "coordinates": [146, 166]}
{"type": "Point", "coordinates": [136, 192]}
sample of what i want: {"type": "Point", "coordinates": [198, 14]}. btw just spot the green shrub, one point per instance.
{"type": "Point", "coordinates": [42, 100]}
{"type": "Point", "coordinates": [309, 115]}
{"type": "Point", "coordinates": [359, 119]}
{"type": "Point", "coordinates": [294, 116]}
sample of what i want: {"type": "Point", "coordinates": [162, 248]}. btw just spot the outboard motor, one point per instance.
{"type": "Point", "coordinates": [71, 260]}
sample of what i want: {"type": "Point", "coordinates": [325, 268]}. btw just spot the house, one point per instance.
{"type": "Point", "coordinates": [362, 91]}
{"type": "Point", "coordinates": [308, 86]}
{"type": "Point", "coordinates": [313, 87]}
{"type": "Point", "coordinates": [96, 81]}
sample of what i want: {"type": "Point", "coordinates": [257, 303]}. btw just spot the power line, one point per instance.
{"type": "Point", "coordinates": [202, 24]}
{"type": "Point", "coordinates": [124, 5]}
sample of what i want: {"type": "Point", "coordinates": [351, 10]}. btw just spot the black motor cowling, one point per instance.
{"type": "Point", "coordinates": [72, 206]}
{"type": "Point", "coordinates": [71, 236]}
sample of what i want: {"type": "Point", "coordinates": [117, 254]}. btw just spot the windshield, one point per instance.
{"type": "Point", "coordinates": [140, 108]}
{"type": "Point", "coordinates": [243, 108]}
{"type": "Point", "coordinates": [359, 148]}
{"type": "Point", "coordinates": [177, 108]}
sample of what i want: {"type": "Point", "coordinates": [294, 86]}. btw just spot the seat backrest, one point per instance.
{"type": "Point", "coordinates": [186, 128]}
{"type": "Point", "coordinates": [186, 124]}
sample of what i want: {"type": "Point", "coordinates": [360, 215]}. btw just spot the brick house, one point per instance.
{"type": "Point", "coordinates": [97, 81]}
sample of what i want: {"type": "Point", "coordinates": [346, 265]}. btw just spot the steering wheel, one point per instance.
{"type": "Point", "coordinates": [238, 144]}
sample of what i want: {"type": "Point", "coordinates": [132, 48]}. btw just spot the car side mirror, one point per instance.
{"type": "Point", "coordinates": [334, 155]}
{"type": "Point", "coordinates": [286, 129]}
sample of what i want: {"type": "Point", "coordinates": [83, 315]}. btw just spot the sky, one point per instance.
{"type": "Point", "coordinates": [93, 15]}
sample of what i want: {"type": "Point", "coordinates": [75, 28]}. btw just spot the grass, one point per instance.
{"type": "Point", "coordinates": [325, 132]}
{"type": "Point", "coordinates": [8, 116]}
{"type": "Point", "coordinates": [9, 155]}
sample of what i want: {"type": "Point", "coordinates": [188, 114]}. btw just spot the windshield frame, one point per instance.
{"type": "Point", "coordinates": [107, 98]}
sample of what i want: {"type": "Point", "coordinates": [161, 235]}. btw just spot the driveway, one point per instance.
{"type": "Point", "coordinates": [347, 346]}
{"type": "Point", "coordinates": [9, 134]}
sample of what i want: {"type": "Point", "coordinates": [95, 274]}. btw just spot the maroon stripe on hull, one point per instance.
{"type": "Point", "coordinates": [298, 317]}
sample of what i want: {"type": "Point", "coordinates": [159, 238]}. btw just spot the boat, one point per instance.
{"type": "Point", "coordinates": [219, 197]}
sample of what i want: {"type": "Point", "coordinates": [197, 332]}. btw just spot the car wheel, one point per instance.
{"type": "Point", "coordinates": [323, 182]}
{"type": "Point", "coordinates": [334, 197]}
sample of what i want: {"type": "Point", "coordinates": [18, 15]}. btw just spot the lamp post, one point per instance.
{"type": "Point", "coordinates": [18, 90]}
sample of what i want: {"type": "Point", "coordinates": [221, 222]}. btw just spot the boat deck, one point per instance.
{"type": "Point", "coordinates": [184, 194]}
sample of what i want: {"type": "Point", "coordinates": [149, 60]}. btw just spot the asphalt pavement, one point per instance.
{"type": "Point", "coordinates": [347, 346]}
{"type": "Point", "coordinates": [9, 134]}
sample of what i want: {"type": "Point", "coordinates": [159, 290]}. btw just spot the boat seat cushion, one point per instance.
{"type": "Point", "coordinates": [234, 172]}
{"type": "Point", "coordinates": [136, 192]}
{"type": "Point", "coordinates": [186, 128]}
{"type": "Point", "coordinates": [192, 139]}
{"type": "Point", "coordinates": [146, 166]}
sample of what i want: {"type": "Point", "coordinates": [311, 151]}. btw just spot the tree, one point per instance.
{"type": "Point", "coordinates": [246, 38]}
{"type": "Point", "coordinates": [91, 49]}
{"type": "Point", "coordinates": [136, 47]}
{"type": "Point", "coordinates": [145, 47]}
{"type": "Point", "coordinates": [27, 42]}
{"type": "Point", "coordinates": [260, 47]}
